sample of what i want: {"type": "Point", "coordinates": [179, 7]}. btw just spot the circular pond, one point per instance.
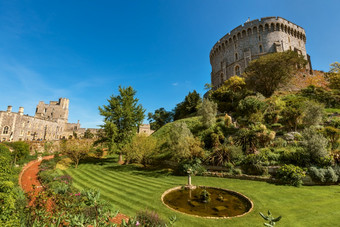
{"type": "Point", "coordinates": [207, 202]}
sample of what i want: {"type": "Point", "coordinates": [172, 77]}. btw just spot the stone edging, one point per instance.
{"type": "Point", "coordinates": [240, 194]}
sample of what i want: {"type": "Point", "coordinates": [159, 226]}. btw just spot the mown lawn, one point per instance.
{"type": "Point", "coordinates": [130, 189]}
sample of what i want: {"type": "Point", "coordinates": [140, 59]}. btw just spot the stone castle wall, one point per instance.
{"type": "Point", "coordinates": [49, 123]}
{"type": "Point", "coordinates": [232, 53]}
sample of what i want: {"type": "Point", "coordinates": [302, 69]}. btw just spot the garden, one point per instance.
{"type": "Point", "coordinates": [276, 147]}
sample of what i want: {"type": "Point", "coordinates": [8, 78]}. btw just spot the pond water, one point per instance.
{"type": "Point", "coordinates": [222, 202]}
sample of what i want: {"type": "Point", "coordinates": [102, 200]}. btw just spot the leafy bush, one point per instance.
{"type": "Point", "coordinates": [290, 175]}
{"type": "Point", "coordinates": [293, 155]}
{"type": "Point", "coordinates": [150, 218]}
{"type": "Point", "coordinates": [252, 165]}
{"type": "Point", "coordinates": [21, 150]}
{"type": "Point", "coordinates": [324, 175]}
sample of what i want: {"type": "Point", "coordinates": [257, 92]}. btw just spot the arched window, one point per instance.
{"type": "Point", "coordinates": [237, 70]}
{"type": "Point", "coordinates": [259, 38]}
{"type": "Point", "coordinates": [236, 56]}
{"type": "Point", "coordinates": [6, 129]}
{"type": "Point", "coordinates": [261, 49]}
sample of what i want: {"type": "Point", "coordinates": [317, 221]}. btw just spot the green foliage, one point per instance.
{"type": "Point", "coordinates": [191, 104]}
{"type": "Point", "coordinates": [182, 143]}
{"type": "Point", "coordinates": [246, 138]}
{"type": "Point", "coordinates": [293, 112]}
{"type": "Point", "coordinates": [159, 118]}
{"type": "Point", "coordinates": [251, 109]}
{"type": "Point", "coordinates": [191, 167]}
{"type": "Point", "coordinates": [290, 175]}
{"type": "Point", "coordinates": [315, 145]}
{"type": "Point", "coordinates": [270, 218]}
{"type": "Point", "coordinates": [122, 116]}
{"type": "Point", "coordinates": [224, 154]}
{"type": "Point", "coordinates": [333, 76]}
{"type": "Point", "coordinates": [333, 135]}
{"type": "Point", "coordinates": [77, 150]}
{"type": "Point", "coordinates": [208, 112]}
{"type": "Point", "coordinates": [324, 175]}
{"type": "Point", "coordinates": [267, 73]}
{"type": "Point", "coordinates": [252, 165]}
{"type": "Point", "coordinates": [331, 98]}
{"type": "Point", "coordinates": [229, 94]}
{"type": "Point", "coordinates": [21, 150]}
{"type": "Point", "coordinates": [141, 149]}
{"type": "Point", "coordinates": [88, 134]}
{"type": "Point", "coordinates": [313, 113]}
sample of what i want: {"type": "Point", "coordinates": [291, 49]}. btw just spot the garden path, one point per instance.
{"type": "Point", "coordinates": [28, 181]}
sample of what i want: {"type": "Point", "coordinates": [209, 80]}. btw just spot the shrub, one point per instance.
{"type": "Point", "coordinates": [290, 175]}
{"type": "Point", "coordinates": [252, 165]}
{"type": "Point", "coordinates": [315, 145]}
{"type": "Point", "coordinates": [150, 218]}
{"type": "Point", "coordinates": [324, 175]}
{"type": "Point", "coordinates": [21, 150]}
{"type": "Point", "coordinates": [313, 113]}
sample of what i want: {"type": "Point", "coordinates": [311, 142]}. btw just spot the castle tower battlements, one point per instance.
{"type": "Point", "coordinates": [233, 52]}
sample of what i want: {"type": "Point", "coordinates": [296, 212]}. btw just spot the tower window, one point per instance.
{"type": "Point", "coordinates": [237, 70]}
{"type": "Point", "coordinates": [259, 38]}
{"type": "Point", "coordinates": [261, 49]}
{"type": "Point", "coordinates": [236, 56]}
{"type": "Point", "coordinates": [6, 129]}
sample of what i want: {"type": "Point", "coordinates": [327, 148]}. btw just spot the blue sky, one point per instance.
{"type": "Point", "coordinates": [84, 50]}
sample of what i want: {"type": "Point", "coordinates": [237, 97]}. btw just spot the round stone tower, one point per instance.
{"type": "Point", "coordinates": [233, 52]}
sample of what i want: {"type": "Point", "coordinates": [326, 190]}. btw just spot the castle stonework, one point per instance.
{"type": "Point", "coordinates": [232, 53]}
{"type": "Point", "coordinates": [49, 123]}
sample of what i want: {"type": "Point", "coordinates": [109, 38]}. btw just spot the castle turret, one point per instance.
{"type": "Point", "coordinates": [233, 52]}
{"type": "Point", "coordinates": [21, 110]}
{"type": "Point", "coordinates": [9, 109]}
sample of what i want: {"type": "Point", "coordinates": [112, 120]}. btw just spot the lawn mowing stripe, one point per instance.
{"type": "Point", "coordinates": [153, 183]}
{"type": "Point", "coordinates": [83, 184]}
{"type": "Point", "coordinates": [132, 177]}
{"type": "Point", "coordinates": [106, 189]}
{"type": "Point", "coordinates": [141, 177]}
{"type": "Point", "coordinates": [80, 185]}
{"type": "Point", "coordinates": [124, 181]}
{"type": "Point", "coordinates": [108, 181]}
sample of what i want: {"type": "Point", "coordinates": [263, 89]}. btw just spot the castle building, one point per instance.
{"type": "Point", "coordinates": [49, 123]}
{"type": "Point", "coordinates": [233, 52]}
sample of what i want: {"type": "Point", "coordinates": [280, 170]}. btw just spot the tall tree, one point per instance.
{"type": "Point", "coordinates": [191, 104]}
{"type": "Point", "coordinates": [266, 74]}
{"type": "Point", "coordinates": [159, 118]}
{"type": "Point", "coordinates": [122, 117]}
{"type": "Point", "coordinates": [208, 112]}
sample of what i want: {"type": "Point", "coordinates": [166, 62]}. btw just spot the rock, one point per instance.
{"type": "Point", "coordinates": [193, 203]}
{"type": "Point", "coordinates": [220, 208]}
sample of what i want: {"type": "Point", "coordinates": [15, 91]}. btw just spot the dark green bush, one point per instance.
{"type": "Point", "coordinates": [253, 165]}
{"type": "Point", "coordinates": [290, 175]}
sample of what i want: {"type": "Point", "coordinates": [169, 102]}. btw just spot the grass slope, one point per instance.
{"type": "Point", "coordinates": [131, 189]}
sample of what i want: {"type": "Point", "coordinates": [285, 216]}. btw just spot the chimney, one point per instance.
{"type": "Point", "coordinates": [21, 110]}
{"type": "Point", "coordinates": [9, 109]}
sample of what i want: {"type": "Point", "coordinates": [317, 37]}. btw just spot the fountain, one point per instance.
{"type": "Point", "coordinates": [208, 202]}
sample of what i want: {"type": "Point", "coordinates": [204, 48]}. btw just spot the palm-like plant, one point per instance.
{"type": "Point", "coordinates": [270, 218]}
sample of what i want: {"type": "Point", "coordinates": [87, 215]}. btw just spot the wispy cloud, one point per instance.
{"type": "Point", "coordinates": [175, 84]}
